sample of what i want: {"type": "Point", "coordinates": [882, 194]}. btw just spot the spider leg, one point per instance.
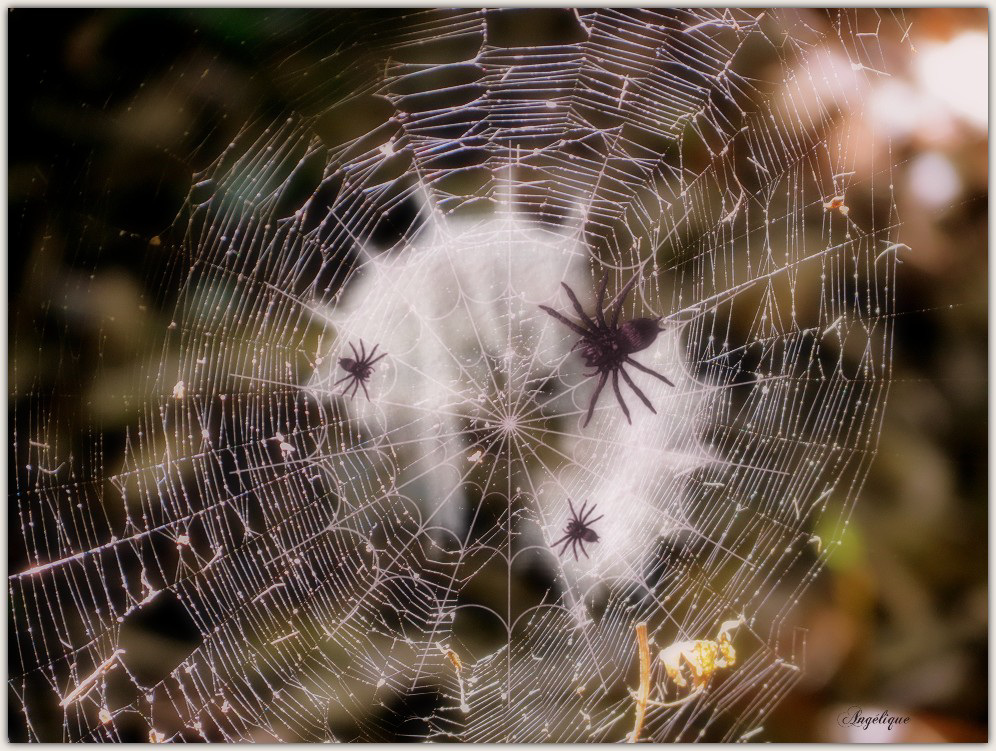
{"type": "Point", "coordinates": [574, 547]}
{"type": "Point", "coordinates": [654, 373]}
{"type": "Point", "coordinates": [600, 302]}
{"type": "Point", "coordinates": [585, 522]}
{"type": "Point", "coordinates": [365, 392]}
{"type": "Point", "coordinates": [356, 385]}
{"type": "Point", "coordinates": [348, 385]}
{"type": "Point", "coordinates": [555, 544]}
{"type": "Point", "coordinates": [581, 543]}
{"type": "Point", "coordinates": [591, 511]}
{"type": "Point", "coordinates": [615, 387]}
{"type": "Point", "coordinates": [355, 353]}
{"type": "Point", "coordinates": [567, 322]}
{"type": "Point", "coordinates": [577, 306]}
{"type": "Point", "coordinates": [636, 389]}
{"type": "Point", "coordinates": [566, 539]}
{"type": "Point", "coordinates": [594, 397]}
{"type": "Point", "coordinates": [382, 356]}
{"type": "Point", "coordinates": [621, 298]}
{"type": "Point", "coordinates": [344, 378]}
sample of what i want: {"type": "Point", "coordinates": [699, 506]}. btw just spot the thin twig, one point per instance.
{"type": "Point", "coordinates": [643, 695]}
{"type": "Point", "coordinates": [87, 683]}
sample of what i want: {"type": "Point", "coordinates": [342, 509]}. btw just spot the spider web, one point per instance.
{"type": "Point", "coordinates": [383, 569]}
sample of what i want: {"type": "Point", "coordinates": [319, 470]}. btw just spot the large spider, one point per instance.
{"type": "Point", "coordinates": [578, 530]}
{"type": "Point", "coordinates": [359, 369]}
{"type": "Point", "coordinates": [606, 345]}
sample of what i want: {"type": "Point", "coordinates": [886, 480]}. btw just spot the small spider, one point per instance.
{"type": "Point", "coordinates": [606, 345]}
{"type": "Point", "coordinates": [578, 530]}
{"type": "Point", "coordinates": [359, 369]}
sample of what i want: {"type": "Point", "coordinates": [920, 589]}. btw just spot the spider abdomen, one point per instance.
{"type": "Point", "coordinates": [638, 334]}
{"type": "Point", "coordinates": [354, 368]}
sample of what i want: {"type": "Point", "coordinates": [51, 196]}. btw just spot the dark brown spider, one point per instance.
{"type": "Point", "coordinates": [578, 530]}
{"type": "Point", "coordinates": [359, 369]}
{"type": "Point", "coordinates": [606, 345]}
